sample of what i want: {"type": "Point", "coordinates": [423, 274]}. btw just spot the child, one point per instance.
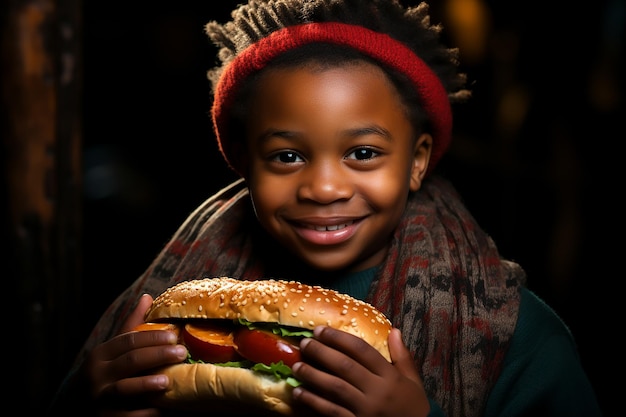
{"type": "Point", "coordinates": [335, 113]}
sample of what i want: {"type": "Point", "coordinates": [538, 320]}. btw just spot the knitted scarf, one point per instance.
{"type": "Point", "coordinates": [443, 284]}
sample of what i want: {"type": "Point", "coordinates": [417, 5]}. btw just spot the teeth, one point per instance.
{"type": "Point", "coordinates": [331, 227]}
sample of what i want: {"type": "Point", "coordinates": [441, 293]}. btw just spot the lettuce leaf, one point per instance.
{"type": "Point", "coordinates": [276, 328]}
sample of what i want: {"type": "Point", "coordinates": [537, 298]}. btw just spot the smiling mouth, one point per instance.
{"type": "Point", "coordinates": [330, 228]}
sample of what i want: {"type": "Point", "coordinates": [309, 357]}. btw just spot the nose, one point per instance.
{"type": "Point", "coordinates": [325, 182]}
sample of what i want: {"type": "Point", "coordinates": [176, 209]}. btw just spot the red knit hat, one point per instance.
{"type": "Point", "coordinates": [379, 46]}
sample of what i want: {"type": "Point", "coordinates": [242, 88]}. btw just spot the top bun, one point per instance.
{"type": "Point", "coordinates": [289, 303]}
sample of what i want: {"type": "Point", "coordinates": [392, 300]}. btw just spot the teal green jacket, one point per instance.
{"type": "Point", "coordinates": [542, 374]}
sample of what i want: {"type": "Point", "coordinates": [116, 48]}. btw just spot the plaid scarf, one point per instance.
{"type": "Point", "coordinates": [443, 284]}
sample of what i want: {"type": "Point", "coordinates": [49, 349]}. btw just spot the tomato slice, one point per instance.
{"type": "Point", "coordinates": [210, 342]}
{"type": "Point", "coordinates": [158, 326]}
{"type": "Point", "coordinates": [265, 347]}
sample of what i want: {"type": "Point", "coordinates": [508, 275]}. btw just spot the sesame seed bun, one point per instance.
{"type": "Point", "coordinates": [241, 391]}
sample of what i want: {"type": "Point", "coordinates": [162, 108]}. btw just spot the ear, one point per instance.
{"type": "Point", "coordinates": [421, 158]}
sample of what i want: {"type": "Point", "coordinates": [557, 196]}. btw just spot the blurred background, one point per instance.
{"type": "Point", "coordinates": [108, 146]}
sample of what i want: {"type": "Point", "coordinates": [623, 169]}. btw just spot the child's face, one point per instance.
{"type": "Point", "coordinates": [331, 160]}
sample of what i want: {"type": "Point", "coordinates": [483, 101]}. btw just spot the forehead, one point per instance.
{"type": "Point", "coordinates": [356, 91]}
{"type": "Point", "coordinates": [315, 82]}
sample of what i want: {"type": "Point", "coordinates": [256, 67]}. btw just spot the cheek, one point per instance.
{"type": "Point", "coordinates": [389, 196]}
{"type": "Point", "coordinates": [389, 202]}
{"type": "Point", "coordinates": [267, 196]}
{"type": "Point", "coordinates": [388, 188]}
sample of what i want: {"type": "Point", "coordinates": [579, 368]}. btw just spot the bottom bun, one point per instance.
{"type": "Point", "coordinates": [237, 391]}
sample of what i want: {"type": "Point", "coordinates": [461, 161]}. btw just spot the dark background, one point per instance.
{"type": "Point", "coordinates": [536, 153]}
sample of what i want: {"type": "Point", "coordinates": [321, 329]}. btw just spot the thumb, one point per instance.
{"type": "Point", "coordinates": [401, 356]}
{"type": "Point", "coordinates": [136, 317]}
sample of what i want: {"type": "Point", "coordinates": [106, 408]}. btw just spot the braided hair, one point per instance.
{"type": "Point", "coordinates": [410, 25]}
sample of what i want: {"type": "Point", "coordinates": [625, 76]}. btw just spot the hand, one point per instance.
{"type": "Point", "coordinates": [117, 371]}
{"type": "Point", "coordinates": [351, 378]}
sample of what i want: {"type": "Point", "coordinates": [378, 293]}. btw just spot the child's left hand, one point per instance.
{"type": "Point", "coordinates": [344, 376]}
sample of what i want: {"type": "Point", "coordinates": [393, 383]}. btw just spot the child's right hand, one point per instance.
{"type": "Point", "coordinates": [117, 371]}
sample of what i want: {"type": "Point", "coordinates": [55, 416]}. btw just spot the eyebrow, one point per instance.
{"type": "Point", "coordinates": [352, 133]}
{"type": "Point", "coordinates": [286, 134]}
{"type": "Point", "coordinates": [368, 130]}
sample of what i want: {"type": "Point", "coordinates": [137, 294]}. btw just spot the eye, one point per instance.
{"type": "Point", "coordinates": [362, 154]}
{"type": "Point", "coordinates": [287, 157]}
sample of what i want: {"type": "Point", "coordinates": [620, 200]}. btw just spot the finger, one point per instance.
{"type": "Point", "coordinates": [147, 412]}
{"type": "Point", "coordinates": [319, 405]}
{"type": "Point", "coordinates": [353, 347]}
{"type": "Point", "coordinates": [126, 342]}
{"type": "Point", "coordinates": [132, 397]}
{"type": "Point", "coordinates": [141, 360]}
{"type": "Point", "coordinates": [136, 386]}
{"type": "Point", "coordinates": [401, 356]}
{"type": "Point", "coordinates": [335, 376]}
{"type": "Point", "coordinates": [137, 316]}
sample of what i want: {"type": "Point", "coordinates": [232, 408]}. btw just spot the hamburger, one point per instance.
{"type": "Point", "coordinates": [243, 337]}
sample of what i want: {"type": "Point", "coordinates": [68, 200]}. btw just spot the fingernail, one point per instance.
{"type": "Point", "coordinates": [161, 381]}
{"type": "Point", "coordinates": [305, 342]}
{"type": "Point", "coordinates": [317, 330]}
{"type": "Point", "coordinates": [172, 337]}
{"type": "Point", "coordinates": [180, 351]}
